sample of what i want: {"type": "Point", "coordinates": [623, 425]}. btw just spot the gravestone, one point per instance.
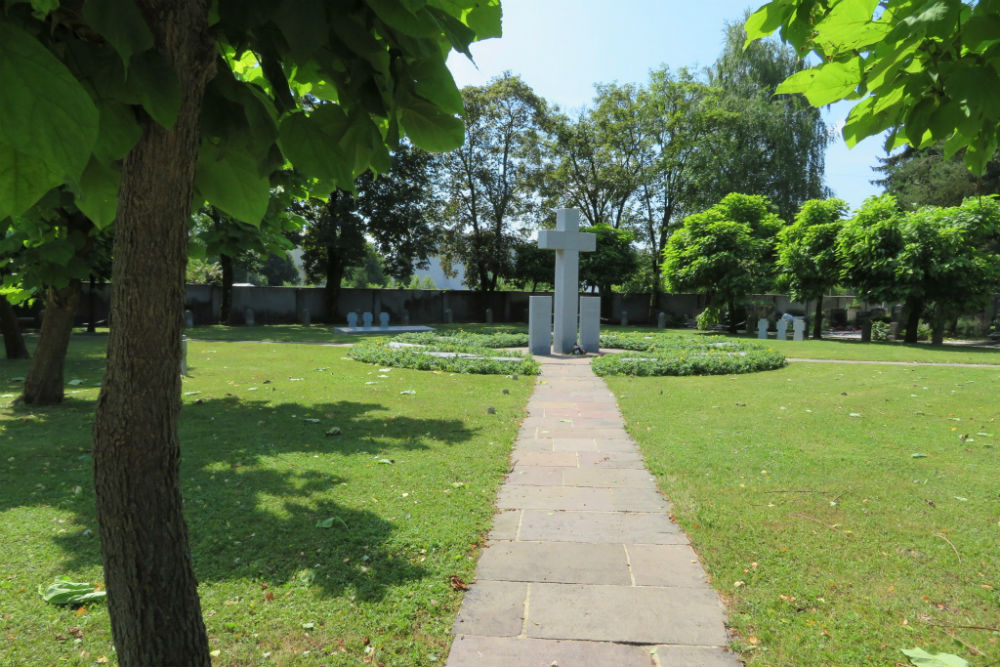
{"type": "Point", "coordinates": [762, 325]}
{"type": "Point", "coordinates": [624, 318]}
{"type": "Point", "coordinates": [661, 321]}
{"type": "Point", "coordinates": [366, 319]}
{"type": "Point", "coordinates": [306, 317]}
{"type": "Point", "coordinates": [406, 317]}
{"type": "Point", "coordinates": [540, 324]}
{"type": "Point", "coordinates": [188, 319]}
{"type": "Point", "coordinates": [799, 328]}
{"type": "Point", "coordinates": [248, 317]}
{"type": "Point", "coordinates": [568, 242]}
{"type": "Point", "coordinates": [590, 323]}
{"type": "Point", "coordinates": [782, 328]}
{"type": "Point", "coordinates": [447, 316]}
{"type": "Point", "coordinates": [383, 319]}
{"type": "Point", "coordinates": [352, 320]}
{"type": "Point", "coordinates": [489, 316]}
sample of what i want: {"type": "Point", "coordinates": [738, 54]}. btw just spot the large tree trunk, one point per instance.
{"type": "Point", "coordinates": [226, 309]}
{"type": "Point", "coordinates": [334, 276]}
{"type": "Point", "coordinates": [914, 309]}
{"type": "Point", "coordinates": [44, 385]}
{"type": "Point", "coordinates": [818, 318]}
{"type": "Point", "coordinates": [92, 306]}
{"type": "Point", "coordinates": [13, 339]}
{"type": "Point", "coordinates": [152, 592]}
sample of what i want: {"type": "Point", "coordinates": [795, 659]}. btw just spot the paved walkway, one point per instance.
{"type": "Point", "coordinates": [584, 565]}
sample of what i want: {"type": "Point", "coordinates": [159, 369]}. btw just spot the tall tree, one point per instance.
{"type": "Point", "coordinates": [807, 254]}
{"type": "Point", "coordinates": [489, 179]}
{"type": "Point", "coordinates": [207, 111]}
{"type": "Point", "coordinates": [771, 145]}
{"type": "Point", "coordinates": [926, 72]}
{"type": "Point", "coordinates": [613, 260]}
{"type": "Point", "coordinates": [725, 251]}
{"type": "Point", "coordinates": [925, 177]}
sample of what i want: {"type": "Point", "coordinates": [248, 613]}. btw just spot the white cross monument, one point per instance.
{"type": "Point", "coordinates": [568, 242]}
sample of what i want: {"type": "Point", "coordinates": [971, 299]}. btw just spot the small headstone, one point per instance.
{"type": "Point", "coordinates": [894, 330]}
{"type": "Point", "coordinates": [188, 319]}
{"type": "Point", "coordinates": [799, 328]}
{"type": "Point", "coordinates": [590, 323]}
{"type": "Point", "coordinates": [366, 319]}
{"type": "Point", "coordinates": [406, 318]}
{"type": "Point", "coordinates": [661, 321]}
{"type": "Point", "coordinates": [624, 319]}
{"type": "Point", "coordinates": [539, 324]}
{"type": "Point", "coordinates": [782, 327]}
{"type": "Point", "coordinates": [248, 317]}
{"type": "Point", "coordinates": [383, 319]}
{"type": "Point", "coordinates": [489, 316]}
{"type": "Point", "coordinates": [762, 325]}
{"type": "Point", "coordinates": [352, 320]}
{"type": "Point", "coordinates": [447, 316]}
{"type": "Point", "coordinates": [306, 317]}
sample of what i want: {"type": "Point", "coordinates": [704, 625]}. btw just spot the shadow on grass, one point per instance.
{"type": "Point", "coordinates": [259, 505]}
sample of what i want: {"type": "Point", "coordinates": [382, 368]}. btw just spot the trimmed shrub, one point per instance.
{"type": "Point", "coordinates": [444, 357]}
{"type": "Point", "coordinates": [688, 356]}
{"type": "Point", "coordinates": [493, 339]}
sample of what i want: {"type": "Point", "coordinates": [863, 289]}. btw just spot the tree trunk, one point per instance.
{"type": "Point", "coordinates": [914, 309]}
{"type": "Point", "coordinates": [334, 276]}
{"type": "Point", "coordinates": [152, 592]}
{"type": "Point", "coordinates": [44, 385]}
{"type": "Point", "coordinates": [818, 323]}
{"type": "Point", "coordinates": [226, 309]}
{"type": "Point", "coordinates": [92, 306]}
{"type": "Point", "coordinates": [732, 316]}
{"type": "Point", "coordinates": [13, 339]}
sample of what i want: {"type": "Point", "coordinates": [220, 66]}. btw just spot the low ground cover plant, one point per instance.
{"type": "Point", "coordinates": [329, 503]}
{"type": "Point", "coordinates": [444, 357]}
{"type": "Point", "coordinates": [661, 355]}
{"type": "Point", "coordinates": [485, 337]}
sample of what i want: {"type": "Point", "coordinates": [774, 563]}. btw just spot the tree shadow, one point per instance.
{"type": "Point", "coordinates": [256, 507]}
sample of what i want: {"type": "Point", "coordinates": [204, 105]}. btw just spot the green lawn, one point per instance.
{"type": "Point", "coordinates": [844, 511]}
{"type": "Point", "coordinates": [311, 549]}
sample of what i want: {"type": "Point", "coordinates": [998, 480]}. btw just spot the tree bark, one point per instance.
{"type": "Point", "coordinates": [818, 322]}
{"type": "Point", "coordinates": [13, 339]}
{"type": "Point", "coordinates": [152, 592]}
{"type": "Point", "coordinates": [331, 291]}
{"type": "Point", "coordinates": [44, 384]}
{"type": "Point", "coordinates": [92, 306]}
{"type": "Point", "coordinates": [914, 309]}
{"type": "Point", "coordinates": [226, 309]}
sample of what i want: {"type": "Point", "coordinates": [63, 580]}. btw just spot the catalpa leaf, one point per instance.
{"type": "Point", "coordinates": [98, 193]}
{"type": "Point", "coordinates": [231, 181]}
{"type": "Point", "coordinates": [121, 24]}
{"type": "Point", "coordinates": [155, 84]}
{"type": "Point", "coordinates": [921, 658]}
{"type": "Point", "coordinates": [48, 122]}
{"type": "Point", "coordinates": [429, 127]}
{"type": "Point", "coordinates": [825, 84]}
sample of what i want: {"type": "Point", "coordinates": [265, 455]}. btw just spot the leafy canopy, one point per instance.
{"type": "Point", "coordinates": [927, 71]}
{"type": "Point", "coordinates": [370, 71]}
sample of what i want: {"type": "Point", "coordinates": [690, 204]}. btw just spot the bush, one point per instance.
{"type": "Point", "coordinates": [491, 339]}
{"type": "Point", "coordinates": [689, 356]}
{"type": "Point", "coordinates": [880, 331]}
{"type": "Point", "coordinates": [708, 318]}
{"type": "Point", "coordinates": [444, 357]}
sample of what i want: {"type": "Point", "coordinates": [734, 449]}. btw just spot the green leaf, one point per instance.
{"type": "Point", "coordinates": [922, 658]}
{"type": "Point", "coordinates": [42, 8]}
{"type": "Point", "coordinates": [98, 193]}
{"type": "Point", "coordinates": [827, 83]}
{"type": "Point", "coordinates": [485, 18]}
{"type": "Point", "coordinates": [231, 181]}
{"type": "Point", "coordinates": [121, 24]}
{"type": "Point", "coordinates": [48, 122]}
{"type": "Point", "coordinates": [767, 19]}
{"type": "Point", "coordinates": [397, 16]}
{"type": "Point", "coordinates": [65, 591]}
{"type": "Point", "coordinates": [154, 82]}
{"type": "Point", "coordinates": [435, 84]}
{"type": "Point", "coordinates": [429, 127]}
{"type": "Point", "coordinates": [312, 144]}
{"type": "Point", "coordinates": [119, 131]}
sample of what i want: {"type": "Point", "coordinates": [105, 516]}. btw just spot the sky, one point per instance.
{"type": "Point", "coordinates": [561, 48]}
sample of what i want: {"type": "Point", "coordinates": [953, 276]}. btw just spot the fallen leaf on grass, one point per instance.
{"type": "Point", "coordinates": [457, 583]}
{"type": "Point", "coordinates": [918, 455]}
{"type": "Point", "coordinates": [75, 383]}
{"type": "Point", "coordinates": [409, 392]}
{"type": "Point", "coordinates": [311, 420]}
{"type": "Point", "coordinates": [922, 658]}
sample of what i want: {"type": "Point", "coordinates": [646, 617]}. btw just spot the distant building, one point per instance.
{"type": "Point", "coordinates": [441, 281]}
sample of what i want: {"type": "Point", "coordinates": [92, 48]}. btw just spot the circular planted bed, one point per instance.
{"type": "Point", "coordinates": [456, 358]}
{"type": "Point", "coordinates": [674, 355]}
{"type": "Point", "coordinates": [466, 338]}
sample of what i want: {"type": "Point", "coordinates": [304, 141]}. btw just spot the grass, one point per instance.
{"type": "Point", "coordinates": [831, 542]}
{"type": "Point", "coordinates": [311, 549]}
{"type": "Point", "coordinates": [319, 333]}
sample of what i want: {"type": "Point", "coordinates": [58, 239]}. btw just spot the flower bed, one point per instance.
{"type": "Point", "coordinates": [686, 356]}
{"type": "Point", "coordinates": [444, 357]}
{"type": "Point", "coordinates": [494, 339]}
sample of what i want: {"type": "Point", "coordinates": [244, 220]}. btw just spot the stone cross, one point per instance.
{"type": "Point", "coordinates": [568, 242]}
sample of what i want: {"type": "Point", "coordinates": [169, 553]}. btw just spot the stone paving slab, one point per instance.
{"type": "Point", "coordinates": [635, 615]}
{"type": "Point", "coordinates": [503, 652]}
{"type": "Point", "coordinates": [556, 562]}
{"type": "Point", "coordinates": [492, 608]}
{"type": "Point", "coordinates": [665, 565]}
{"type": "Point", "coordinates": [631, 528]}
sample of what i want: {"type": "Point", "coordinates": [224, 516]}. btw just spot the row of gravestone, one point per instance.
{"type": "Point", "coordinates": [366, 319]}
{"type": "Point", "coordinates": [798, 327]}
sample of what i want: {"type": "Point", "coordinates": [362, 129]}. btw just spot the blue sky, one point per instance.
{"type": "Point", "coordinates": [561, 48]}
